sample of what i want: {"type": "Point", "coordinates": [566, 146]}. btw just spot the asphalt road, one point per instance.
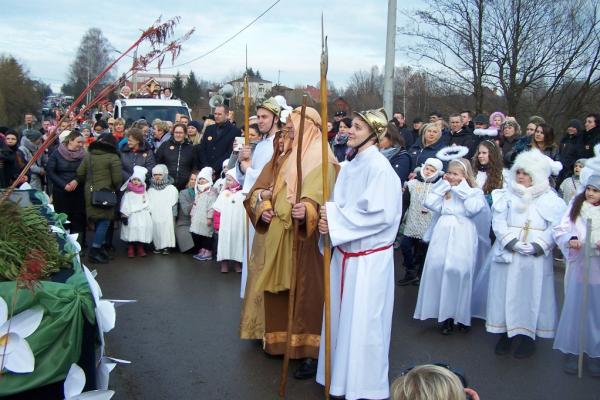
{"type": "Point", "coordinates": [182, 339]}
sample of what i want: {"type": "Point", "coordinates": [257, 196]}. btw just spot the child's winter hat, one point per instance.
{"type": "Point", "coordinates": [139, 172]}
{"type": "Point", "coordinates": [537, 165]}
{"type": "Point", "coordinates": [590, 174]}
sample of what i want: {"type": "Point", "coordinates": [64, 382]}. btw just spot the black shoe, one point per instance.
{"type": "Point", "coordinates": [503, 345]}
{"type": "Point", "coordinates": [408, 279]}
{"type": "Point", "coordinates": [526, 348]}
{"type": "Point", "coordinates": [108, 252]}
{"type": "Point", "coordinates": [463, 328]}
{"type": "Point", "coordinates": [306, 370]}
{"type": "Point", "coordinates": [95, 256]}
{"type": "Point", "coordinates": [447, 327]}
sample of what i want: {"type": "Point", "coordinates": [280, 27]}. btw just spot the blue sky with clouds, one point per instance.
{"type": "Point", "coordinates": [44, 35]}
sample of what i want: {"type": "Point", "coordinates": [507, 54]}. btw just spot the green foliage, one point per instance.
{"type": "Point", "coordinates": [177, 85]}
{"type": "Point", "coordinates": [18, 93]}
{"type": "Point", "coordinates": [192, 90]}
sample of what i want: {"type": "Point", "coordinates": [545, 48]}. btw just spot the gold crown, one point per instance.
{"type": "Point", "coordinates": [272, 105]}
{"type": "Point", "coordinates": [376, 119]}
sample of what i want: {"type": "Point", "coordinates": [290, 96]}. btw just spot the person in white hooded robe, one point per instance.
{"type": "Point", "coordinates": [521, 299]}
{"type": "Point", "coordinates": [362, 221]}
{"type": "Point", "coordinates": [202, 212]}
{"type": "Point", "coordinates": [163, 198]}
{"type": "Point", "coordinates": [136, 228]}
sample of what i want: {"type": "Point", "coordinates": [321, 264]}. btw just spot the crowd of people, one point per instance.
{"type": "Point", "coordinates": [475, 205]}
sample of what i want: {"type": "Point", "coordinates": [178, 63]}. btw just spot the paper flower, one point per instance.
{"type": "Point", "coordinates": [74, 384]}
{"type": "Point", "coordinates": [15, 353]}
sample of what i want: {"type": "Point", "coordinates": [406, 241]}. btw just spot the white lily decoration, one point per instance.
{"type": "Point", "coordinates": [74, 384]}
{"type": "Point", "coordinates": [15, 353]}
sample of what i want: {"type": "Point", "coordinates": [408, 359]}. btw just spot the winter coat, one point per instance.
{"type": "Point", "coordinates": [9, 165]}
{"type": "Point", "coordinates": [184, 220]}
{"type": "Point", "coordinates": [105, 174]}
{"type": "Point", "coordinates": [179, 159]}
{"type": "Point", "coordinates": [569, 151]}
{"type": "Point", "coordinates": [215, 146]}
{"type": "Point", "coordinates": [144, 157]}
{"type": "Point", "coordinates": [463, 138]}
{"type": "Point", "coordinates": [26, 152]}
{"type": "Point", "coordinates": [588, 140]}
{"type": "Point", "coordinates": [61, 171]}
{"type": "Point", "coordinates": [419, 153]}
{"type": "Point", "coordinates": [401, 162]}
{"type": "Point", "coordinates": [511, 147]}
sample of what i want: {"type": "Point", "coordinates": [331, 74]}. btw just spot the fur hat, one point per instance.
{"type": "Point", "coordinates": [537, 165]}
{"type": "Point", "coordinates": [590, 174]}
{"type": "Point", "coordinates": [231, 173]}
{"type": "Point", "coordinates": [435, 163]}
{"type": "Point", "coordinates": [139, 173]}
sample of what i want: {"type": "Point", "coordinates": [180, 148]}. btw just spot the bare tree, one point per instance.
{"type": "Point", "coordinates": [451, 34]}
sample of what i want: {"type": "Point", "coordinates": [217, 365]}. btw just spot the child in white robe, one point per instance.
{"type": "Point", "coordinates": [521, 299]}
{"type": "Point", "coordinates": [447, 281]}
{"type": "Point", "coordinates": [136, 228]}
{"type": "Point", "coordinates": [202, 214]}
{"type": "Point", "coordinates": [230, 221]}
{"type": "Point", "coordinates": [570, 235]}
{"type": "Point", "coordinates": [163, 198]}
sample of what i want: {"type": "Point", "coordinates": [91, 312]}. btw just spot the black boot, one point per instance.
{"type": "Point", "coordinates": [108, 251]}
{"type": "Point", "coordinates": [409, 278]}
{"type": "Point", "coordinates": [526, 348]}
{"type": "Point", "coordinates": [503, 345]}
{"type": "Point", "coordinates": [306, 370]}
{"type": "Point", "coordinates": [463, 328]}
{"type": "Point", "coordinates": [95, 256]}
{"type": "Point", "coordinates": [447, 327]}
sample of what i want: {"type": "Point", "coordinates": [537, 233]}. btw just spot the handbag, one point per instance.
{"type": "Point", "coordinates": [101, 198]}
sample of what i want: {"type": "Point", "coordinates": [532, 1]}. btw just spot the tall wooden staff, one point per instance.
{"type": "Point", "coordinates": [295, 255]}
{"type": "Point", "coordinates": [325, 173]}
{"type": "Point", "coordinates": [247, 142]}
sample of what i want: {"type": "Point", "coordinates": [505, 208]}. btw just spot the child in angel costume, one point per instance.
{"type": "Point", "coordinates": [163, 198]}
{"type": "Point", "coordinates": [521, 299]}
{"type": "Point", "coordinates": [202, 214]}
{"type": "Point", "coordinates": [461, 222]}
{"type": "Point", "coordinates": [136, 229]}
{"type": "Point", "coordinates": [578, 318]}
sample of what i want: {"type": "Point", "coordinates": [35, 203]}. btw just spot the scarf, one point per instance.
{"type": "Point", "coordinates": [390, 152]}
{"type": "Point", "coordinates": [139, 189]}
{"type": "Point", "coordinates": [70, 155]}
{"type": "Point", "coordinates": [203, 188]}
{"type": "Point", "coordinates": [526, 195]}
{"type": "Point", "coordinates": [340, 139]}
{"type": "Point", "coordinates": [162, 183]}
{"type": "Point", "coordinates": [234, 188]}
{"type": "Point", "coordinates": [191, 192]}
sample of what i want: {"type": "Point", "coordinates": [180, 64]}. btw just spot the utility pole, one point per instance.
{"type": "Point", "coordinates": [390, 60]}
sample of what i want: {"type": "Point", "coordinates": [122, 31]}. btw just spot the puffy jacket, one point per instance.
{"type": "Point", "coordinates": [179, 159]}
{"type": "Point", "coordinates": [61, 171]}
{"type": "Point", "coordinates": [144, 157]}
{"type": "Point", "coordinates": [419, 153]}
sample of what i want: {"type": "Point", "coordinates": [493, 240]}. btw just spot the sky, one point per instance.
{"type": "Point", "coordinates": [284, 43]}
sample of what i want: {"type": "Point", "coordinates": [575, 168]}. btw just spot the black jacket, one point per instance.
{"type": "Point", "coordinates": [569, 151]}
{"type": "Point", "coordinates": [61, 171]}
{"type": "Point", "coordinates": [179, 159]}
{"type": "Point", "coordinates": [463, 138]}
{"type": "Point", "coordinates": [215, 146]}
{"type": "Point", "coordinates": [588, 140]}
{"type": "Point", "coordinates": [144, 157]}
{"type": "Point", "coordinates": [9, 167]}
{"type": "Point", "coordinates": [402, 164]}
{"type": "Point", "coordinates": [419, 153]}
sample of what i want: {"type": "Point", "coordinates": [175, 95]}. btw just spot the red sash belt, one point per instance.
{"type": "Point", "coordinates": [348, 255]}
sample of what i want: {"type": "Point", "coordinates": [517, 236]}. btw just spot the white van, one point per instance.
{"type": "Point", "coordinates": [149, 109]}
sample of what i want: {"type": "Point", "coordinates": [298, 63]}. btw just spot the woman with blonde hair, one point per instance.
{"type": "Point", "coordinates": [430, 382]}
{"type": "Point", "coordinates": [428, 146]}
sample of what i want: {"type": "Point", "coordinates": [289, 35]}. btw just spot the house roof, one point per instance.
{"type": "Point", "coordinates": [250, 79]}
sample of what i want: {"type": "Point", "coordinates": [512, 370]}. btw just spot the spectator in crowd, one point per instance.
{"type": "Point", "coordinates": [591, 136]}
{"type": "Point", "coordinates": [466, 117]}
{"type": "Point", "coordinates": [160, 134]}
{"type": "Point", "coordinates": [86, 132]}
{"type": "Point", "coordinates": [29, 123]}
{"type": "Point", "coordinates": [337, 117]}
{"type": "Point", "coordinates": [163, 198]}
{"type": "Point", "coordinates": [100, 127]}
{"type": "Point", "coordinates": [569, 149]}
{"type": "Point", "coordinates": [480, 122]}
{"type": "Point", "coordinates": [168, 94]}
{"type": "Point", "coordinates": [67, 194]}
{"type": "Point", "coordinates": [496, 120]}
{"type": "Point", "coordinates": [118, 130]}
{"type": "Point", "coordinates": [511, 130]}
{"type": "Point", "coordinates": [392, 147]}
{"type": "Point", "coordinates": [194, 130]}
{"type": "Point", "coordinates": [9, 165]}
{"type": "Point", "coordinates": [183, 235]}
{"type": "Point", "coordinates": [430, 382]}
{"type": "Point", "coordinates": [100, 169]}
{"type": "Point", "coordinates": [217, 142]}
{"type": "Point", "coordinates": [430, 143]}
{"type": "Point", "coordinates": [30, 143]}
{"type": "Point", "coordinates": [417, 124]}
{"type": "Point", "coordinates": [125, 92]}
{"type": "Point", "coordinates": [543, 140]}
{"type": "Point", "coordinates": [183, 119]}
{"type": "Point", "coordinates": [340, 148]}
{"type": "Point", "coordinates": [177, 154]}
{"type": "Point", "coordinates": [136, 152]}
{"type": "Point", "coordinates": [460, 136]}
{"type": "Point", "coordinates": [399, 121]}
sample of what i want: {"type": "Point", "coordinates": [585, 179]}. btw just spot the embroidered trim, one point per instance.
{"type": "Point", "coordinates": [304, 339]}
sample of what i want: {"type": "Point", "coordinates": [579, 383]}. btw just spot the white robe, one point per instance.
{"type": "Point", "coordinates": [521, 299]}
{"type": "Point", "coordinates": [569, 326]}
{"type": "Point", "coordinates": [161, 208]}
{"type": "Point", "coordinates": [447, 281]}
{"type": "Point", "coordinates": [136, 208]}
{"type": "Point", "coordinates": [364, 215]}
{"type": "Point", "coordinates": [232, 227]}
{"type": "Point", "coordinates": [260, 157]}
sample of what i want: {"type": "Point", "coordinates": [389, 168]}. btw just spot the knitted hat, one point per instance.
{"type": "Point", "coordinates": [575, 123]}
{"type": "Point", "coordinates": [32, 135]}
{"type": "Point", "coordinates": [196, 125]}
{"type": "Point", "coordinates": [480, 119]}
{"type": "Point", "coordinates": [537, 165]}
{"type": "Point", "coordinates": [160, 169]}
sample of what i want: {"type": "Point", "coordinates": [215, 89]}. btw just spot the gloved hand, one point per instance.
{"type": "Point", "coordinates": [462, 190]}
{"type": "Point", "coordinates": [441, 187]}
{"type": "Point", "coordinates": [524, 248]}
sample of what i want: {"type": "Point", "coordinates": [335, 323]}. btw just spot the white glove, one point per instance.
{"type": "Point", "coordinates": [462, 190]}
{"type": "Point", "coordinates": [441, 187]}
{"type": "Point", "coordinates": [524, 248]}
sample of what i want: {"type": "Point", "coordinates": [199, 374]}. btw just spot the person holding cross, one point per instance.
{"type": "Point", "coordinates": [362, 221]}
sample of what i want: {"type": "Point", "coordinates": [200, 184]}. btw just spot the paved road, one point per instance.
{"type": "Point", "coordinates": [182, 339]}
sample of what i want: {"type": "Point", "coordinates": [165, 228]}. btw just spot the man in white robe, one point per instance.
{"type": "Point", "coordinates": [362, 222]}
{"type": "Point", "coordinates": [250, 164]}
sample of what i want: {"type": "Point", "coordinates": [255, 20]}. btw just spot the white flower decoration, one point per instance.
{"type": "Point", "coordinates": [74, 384]}
{"type": "Point", "coordinates": [15, 353]}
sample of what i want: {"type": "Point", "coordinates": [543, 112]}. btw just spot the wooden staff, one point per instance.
{"type": "Point", "coordinates": [295, 255]}
{"type": "Point", "coordinates": [326, 240]}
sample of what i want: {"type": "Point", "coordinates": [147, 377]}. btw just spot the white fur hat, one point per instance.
{"type": "Point", "coordinates": [139, 172]}
{"type": "Point", "coordinates": [536, 165]}
{"type": "Point", "coordinates": [435, 163]}
{"type": "Point", "coordinates": [232, 174]}
{"type": "Point", "coordinates": [590, 174]}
